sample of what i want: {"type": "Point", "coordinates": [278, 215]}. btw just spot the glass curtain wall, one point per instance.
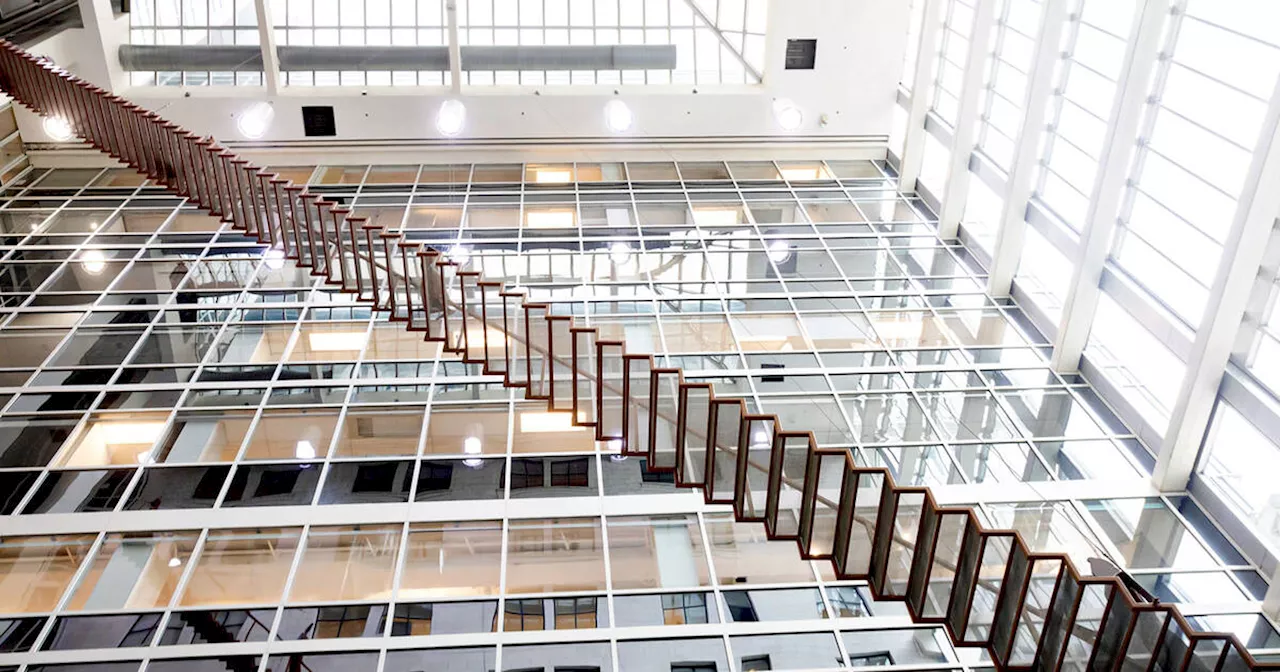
{"type": "Point", "coordinates": [211, 461]}
{"type": "Point", "coordinates": [1201, 108]}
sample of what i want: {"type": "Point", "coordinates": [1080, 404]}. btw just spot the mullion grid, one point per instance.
{"type": "Point", "coordinates": [1059, 98]}
{"type": "Point", "coordinates": [999, 64]}
{"type": "Point", "coordinates": [950, 33]}
{"type": "Point", "coordinates": [141, 32]}
{"type": "Point", "coordinates": [1147, 149]}
{"type": "Point", "coordinates": [1153, 110]}
{"type": "Point", "coordinates": [900, 367]}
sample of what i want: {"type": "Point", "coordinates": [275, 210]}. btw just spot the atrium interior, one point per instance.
{"type": "Point", "coordinates": [1022, 253]}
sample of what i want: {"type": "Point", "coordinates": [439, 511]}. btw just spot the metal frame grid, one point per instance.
{"type": "Point", "coordinates": [717, 41]}
{"type": "Point", "coordinates": [962, 368]}
{"type": "Point", "coordinates": [1163, 370]}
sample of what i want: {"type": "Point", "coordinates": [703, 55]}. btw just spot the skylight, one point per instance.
{"type": "Point", "coordinates": [716, 41]}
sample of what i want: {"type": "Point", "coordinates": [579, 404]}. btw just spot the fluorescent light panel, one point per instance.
{"type": "Point", "coordinates": [330, 341]}
{"type": "Point", "coordinates": [546, 422]}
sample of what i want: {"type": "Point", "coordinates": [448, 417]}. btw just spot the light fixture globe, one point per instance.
{"type": "Point", "coordinates": [58, 129]}
{"type": "Point", "coordinates": [254, 121]}
{"type": "Point", "coordinates": [451, 118]}
{"type": "Point", "coordinates": [778, 250]}
{"type": "Point", "coordinates": [787, 114]}
{"type": "Point", "coordinates": [618, 116]}
{"type": "Point", "coordinates": [93, 261]}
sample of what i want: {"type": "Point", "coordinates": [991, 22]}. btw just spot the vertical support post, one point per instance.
{"type": "Point", "coordinates": [965, 138]}
{"type": "Point", "coordinates": [1013, 217]}
{"type": "Point", "coordinates": [267, 41]}
{"type": "Point", "coordinates": [921, 95]}
{"type": "Point", "coordinates": [1242, 257]}
{"type": "Point", "coordinates": [103, 34]}
{"type": "Point", "coordinates": [1109, 186]}
{"type": "Point", "coordinates": [455, 49]}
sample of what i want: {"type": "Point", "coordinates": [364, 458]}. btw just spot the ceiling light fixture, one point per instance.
{"type": "Point", "coordinates": [787, 114]}
{"type": "Point", "coordinates": [547, 421]}
{"type": "Point", "coordinates": [304, 450]}
{"type": "Point", "coordinates": [617, 116]}
{"type": "Point", "coordinates": [778, 250]}
{"type": "Point", "coordinates": [801, 174]}
{"type": "Point", "coordinates": [254, 121]}
{"type": "Point", "coordinates": [451, 117]}
{"type": "Point", "coordinates": [551, 176]}
{"type": "Point", "coordinates": [717, 216]}
{"type": "Point", "coordinates": [175, 562]}
{"type": "Point", "coordinates": [58, 129]}
{"type": "Point", "coordinates": [337, 341]}
{"type": "Point", "coordinates": [93, 261]}
{"type": "Point", "coordinates": [550, 219]}
{"type": "Point", "coordinates": [130, 433]}
{"type": "Point", "coordinates": [619, 253]}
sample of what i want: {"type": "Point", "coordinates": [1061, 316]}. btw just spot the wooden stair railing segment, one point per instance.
{"type": "Point", "coordinates": [1030, 611]}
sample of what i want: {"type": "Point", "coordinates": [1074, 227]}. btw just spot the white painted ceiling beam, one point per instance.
{"type": "Point", "coordinates": [267, 42]}
{"type": "Point", "coordinates": [956, 193]}
{"type": "Point", "coordinates": [1243, 254]}
{"type": "Point", "coordinates": [1109, 186]}
{"type": "Point", "coordinates": [912, 159]}
{"type": "Point", "coordinates": [1012, 226]}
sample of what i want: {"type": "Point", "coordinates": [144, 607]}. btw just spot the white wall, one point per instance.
{"type": "Point", "coordinates": [860, 45]}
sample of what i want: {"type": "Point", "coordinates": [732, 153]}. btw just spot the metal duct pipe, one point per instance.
{"type": "Point", "coordinates": [295, 58]}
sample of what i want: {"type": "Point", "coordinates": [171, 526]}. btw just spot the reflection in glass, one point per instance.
{"type": "Point", "coordinates": [241, 567]}
{"type": "Point", "coordinates": [451, 560]}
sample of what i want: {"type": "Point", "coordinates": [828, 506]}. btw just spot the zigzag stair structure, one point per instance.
{"type": "Point", "coordinates": [1029, 610]}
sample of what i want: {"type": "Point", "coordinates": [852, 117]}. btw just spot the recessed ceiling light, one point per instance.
{"type": "Point", "coordinates": [552, 176]}
{"type": "Point", "coordinates": [58, 129]}
{"type": "Point", "coordinates": [175, 562]}
{"type": "Point", "coordinates": [451, 117]}
{"type": "Point", "coordinates": [620, 253]}
{"type": "Point", "coordinates": [717, 216]}
{"type": "Point", "coordinates": [93, 261]}
{"type": "Point", "coordinates": [550, 219]}
{"type": "Point", "coordinates": [130, 433]}
{"type": "Point", "coordinates": [547, 421]}
{"type": "Point", "coordinates": [337, 341]}
{"type": "Point", "coordinates": [788, 116]}
{"type": "Point", "coordinates": [254, 122]}
{"type": "Point", "coordinates": [617, 116]}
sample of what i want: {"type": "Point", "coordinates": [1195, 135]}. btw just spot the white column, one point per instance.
{"type": "Point", "coordinates": [956, 193]}
{"type": "Point", "coordinates": [1271, 601]}
{"type": "Point", "coordinates": [1026, 159]}
{"type": "Point", "coordinates": [267, 42]}
{"type": "Point", "coordinates": [921, 95]}
{"type": "Point", "coordinates": [1109, 186]}
{"type": "Point", "coordinates": [455, 49]}
{"type": "Point", "coordinates": [100, 54]}
{"type": "Point", "coordinates": [1242, 257]}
